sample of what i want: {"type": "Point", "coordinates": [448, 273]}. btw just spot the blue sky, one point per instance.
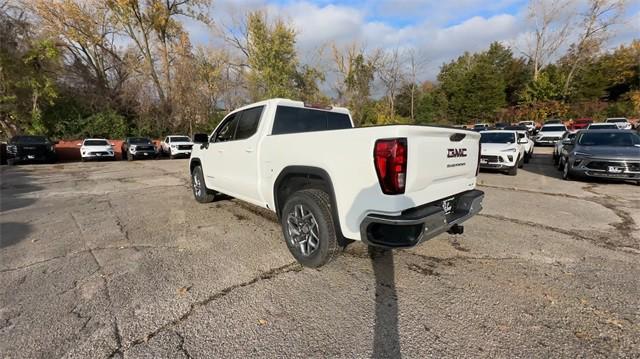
{"type": "Point", "coordinates": [438, 31]}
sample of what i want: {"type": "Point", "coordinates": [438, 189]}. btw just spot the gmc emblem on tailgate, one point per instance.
{"type": "Point", "coordinates": [456, 152]}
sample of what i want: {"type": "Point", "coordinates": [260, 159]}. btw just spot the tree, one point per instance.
{"type": "Point", "coordinates": [552, 27]}
{"type": "Point", "coordinates": [355, 72]}
{"type": "Point", "coordinates": [27, 68]}
{"type": "Point", "coordinates": [596, 24]}
{"type": "Point", "coordinates": [154, 29]}
{"type": "Point", "coordinates": [84, 30]}
{"type": "Point", "coordinates": [272, 58]}
{"type": "Point", "coordinates": [474, 85]}
{"type": "Point", "coordinates": [392, 75]}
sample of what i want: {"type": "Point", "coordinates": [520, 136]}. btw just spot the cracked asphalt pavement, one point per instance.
{"type": "Point", "coordinates": [116, 259]}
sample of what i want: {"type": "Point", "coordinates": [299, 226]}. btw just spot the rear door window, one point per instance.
{"type": "Point", "coordinates": [296, 120]}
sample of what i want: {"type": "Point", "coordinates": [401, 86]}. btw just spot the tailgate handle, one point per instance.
{"type": "Point", "coordinates": [457, 137]}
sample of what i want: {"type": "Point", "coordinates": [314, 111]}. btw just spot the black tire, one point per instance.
{"type": "Point", "coordinates": [129, 156]}
{"type": "Point", "coordinates": [521, 162]}
{"type": "Point", "coordinates": [566, 172]}
{"type": "Point", "coordinates": [171, 155]}
{"type": "Point", "coordinates": [82, 159]}
{"type": "Point", "coordinates": [527, 157]}
{"type": "Point", "coordinates": [560, 163]}
{"type": "Point", "coordinates": [316, 202]}
{"type": "Point", "coordinates": [556, 159]}
{"type": "Point", "coordinates": [513, 170]}
{"type": "Point", "coordinates": [200, 191]}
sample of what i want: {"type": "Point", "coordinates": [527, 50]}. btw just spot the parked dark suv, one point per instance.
{"type": "Point", "coordinates": [138, 147]}
{"type": "Point", "coordinates": [30, 149]}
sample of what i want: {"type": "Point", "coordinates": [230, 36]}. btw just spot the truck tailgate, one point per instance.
{"type": "Point", "coordinates": [440, 155]}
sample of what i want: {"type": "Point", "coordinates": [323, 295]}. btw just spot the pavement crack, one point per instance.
{"type": "Point", "coordinates": [32, 264]}
{"type": "Point", "coordinates": [603, 241]}
{"type": "Point", "coordinates": [121, 226]}
{"type": "Point", "coordinates": [181, 346]}
{"type": "Point", "coordinates": [270, 274]}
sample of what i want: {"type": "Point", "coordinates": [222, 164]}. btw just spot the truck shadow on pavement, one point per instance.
{"type": "Point", "coordinates": [386, 341]}
{"type": "Point", "coordinates": [12, 233]}
{"type": "Point", "coordinates": [14, 184]}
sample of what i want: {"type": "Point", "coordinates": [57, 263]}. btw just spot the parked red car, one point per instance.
{"type": "Point", "coordinates": [581, 123]}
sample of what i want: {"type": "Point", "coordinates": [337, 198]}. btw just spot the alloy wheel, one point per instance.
{"type": "Point", "coordinates": [303, 230]}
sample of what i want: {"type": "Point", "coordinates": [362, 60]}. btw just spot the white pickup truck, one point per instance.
{"type": "Point", "coordinates": [330, 183]}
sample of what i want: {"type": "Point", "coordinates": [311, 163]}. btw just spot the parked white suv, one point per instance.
{"type": "Point", "coordinates": [96, 148]}
{"type": "Point", "coordinates": [550, 134]}
{"type": "Point", "coordinates": [502, 150]}
{"type": "Point", "coordinates": [621, 122]}
{"type": "Point", "coordinates": [175, 146]}
{"type": "Point", "coordinates": [329, 183]}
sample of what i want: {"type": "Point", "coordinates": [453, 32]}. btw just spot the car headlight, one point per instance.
{"type": "Point", "coordinates": [173, 146]}
{"type": "Point", "coordinates": [509, 150]}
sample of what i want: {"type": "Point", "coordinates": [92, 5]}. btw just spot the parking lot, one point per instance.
{"type": "Point", "coordinates": [116, 259]}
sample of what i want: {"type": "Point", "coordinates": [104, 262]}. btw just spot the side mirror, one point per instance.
{"type": "Point", "coordinates": [200, 138]}
{"type": "Point", "coordinates": [523, 141]}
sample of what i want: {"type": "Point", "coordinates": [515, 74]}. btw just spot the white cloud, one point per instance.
{"type": "Point", "coordinates": [438, 36]}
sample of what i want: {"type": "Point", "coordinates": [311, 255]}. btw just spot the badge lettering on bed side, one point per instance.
{"type": "Point", "coordinates": [456, 152]}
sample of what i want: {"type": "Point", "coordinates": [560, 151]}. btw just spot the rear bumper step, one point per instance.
{"type": "Point", "coordinates": [419, 224]}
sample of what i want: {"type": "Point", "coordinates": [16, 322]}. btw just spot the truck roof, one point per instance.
{"type": "Point", "coordinates": [292, 103]}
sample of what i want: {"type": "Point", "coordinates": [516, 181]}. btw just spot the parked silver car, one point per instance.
{"type": "Point", "coordinates": [605, 154]}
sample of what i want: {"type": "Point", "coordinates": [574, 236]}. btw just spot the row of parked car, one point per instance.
{"type": "Point", "coordinates": [572, 125]}
{"type": "Point", "coordinates": [41, 149]}
{"type": "Point", "coordinates": [604, 150]}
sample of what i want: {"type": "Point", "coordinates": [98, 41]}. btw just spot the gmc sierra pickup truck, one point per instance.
{"type": "Point", "coordinates": [330, 183]}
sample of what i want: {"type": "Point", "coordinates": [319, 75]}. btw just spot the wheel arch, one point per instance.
{"type": "Point", "coordinates": [295, 178]}
{"type": "Point", "coordinates": [193, 163]}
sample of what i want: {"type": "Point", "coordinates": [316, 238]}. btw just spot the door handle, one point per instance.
{"type": "Point", "coordinates": [248, 150]}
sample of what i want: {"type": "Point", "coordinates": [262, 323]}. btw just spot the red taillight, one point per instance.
{"type": "Point", "coordinates": [479, 155]}
{"type": "Point", "coordinates": [390, 159]}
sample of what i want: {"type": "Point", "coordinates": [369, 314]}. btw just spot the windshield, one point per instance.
{"type": "Point", "coordinates": [479, 126]}
{"type": "Point", "coordinates": [180, 139]}
{"type": "Point", "coordinates": [30, 139]}
{"type": "Point", "coordinates": [616, 120]}
{"type": "Point", "coordinates": [622, 139]}
{"type": "Point", "coordinates": [497, 137]}
{"type": "Point", "coordinates": [96, 143]}
{"type": "Point", "coordinates": [603, 126]}
{"type": "Point", "coordinates": [140, 140]}
{"type": "Point", "coordinates": [554, 128]}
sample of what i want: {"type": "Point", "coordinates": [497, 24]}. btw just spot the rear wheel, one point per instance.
{"type": "Point", "coordinates": [308, 228]}
{"type": "Point", "coordinates": [566, 171]}
{"type": "Point", "coordinates": [560, 164]}
{"type": "Point", "coordinates": [200, 191]}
